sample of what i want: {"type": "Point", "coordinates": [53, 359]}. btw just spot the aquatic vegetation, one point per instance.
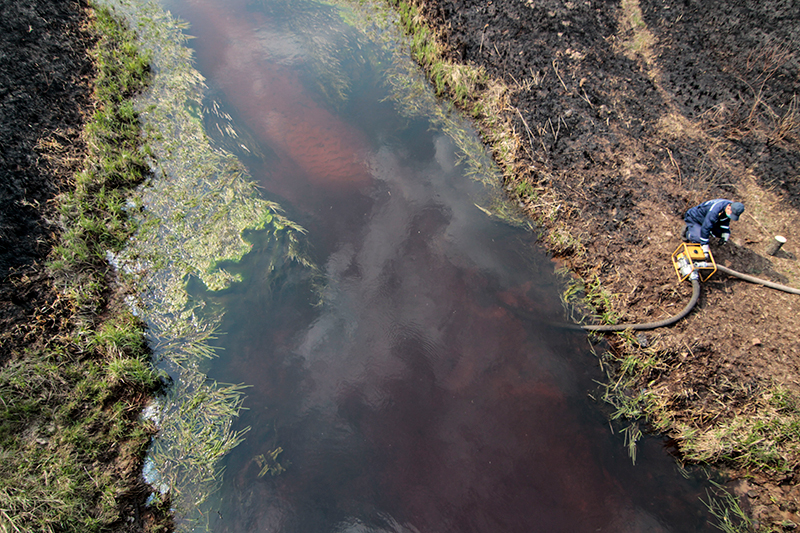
{"type": "Point", "coordinates": [329, 51]}
{"type": "Point", "coordinates": [584, 299]}
{"type": "Point", "coordinates": [398, 33]}
{"type": "Point", "coordinates": [725, 507]}
{"type": "Point", "coordinates": [269, 463]}
{"type": "Point", "coordinates": [195, 419]}
{"type": "Point", "coordinates": [192, 215]}
{"type": "Point", "coordinates": [470, 88]}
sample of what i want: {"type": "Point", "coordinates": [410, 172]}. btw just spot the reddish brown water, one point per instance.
{"type": "Point", "coordinates": [427, 392]}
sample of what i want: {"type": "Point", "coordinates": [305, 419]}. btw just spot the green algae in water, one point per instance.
{"type": "Point", "coordinates": [194, 212]}
{"type": "Point", "coordinates": [335, 56]}
{"type": "Point", "coordinates": [192, 216]}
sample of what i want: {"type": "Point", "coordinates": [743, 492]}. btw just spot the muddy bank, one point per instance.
{"type": "Point", "coordinates": [628, 114]}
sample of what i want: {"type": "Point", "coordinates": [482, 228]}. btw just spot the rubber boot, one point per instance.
{"type": "Point", "coordinates": [685, 234]}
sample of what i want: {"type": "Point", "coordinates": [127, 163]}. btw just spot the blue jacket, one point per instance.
{"type": "Point", "coordinates": [711, 218]}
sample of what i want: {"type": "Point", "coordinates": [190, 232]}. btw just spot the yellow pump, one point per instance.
{"type": "Point", "coordinates": [690, 262]}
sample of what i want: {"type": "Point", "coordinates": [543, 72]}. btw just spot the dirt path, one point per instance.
{"type": "Point", "coordinates": [630, 113]}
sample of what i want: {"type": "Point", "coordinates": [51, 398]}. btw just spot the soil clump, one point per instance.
{"type": "Point", "coordinates": [629, 113]}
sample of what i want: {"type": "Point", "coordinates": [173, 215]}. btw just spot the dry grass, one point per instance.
{"type": "Point", "coordinates": [636, 40]}
{"type": "Point", "coordinates": [762, 114]}
{"type": "Point", "coordinates": [740, 425]}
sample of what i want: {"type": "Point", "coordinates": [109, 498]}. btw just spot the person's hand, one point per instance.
{"type": "Point", "coordinates": [725, 237]}
{"type": "Point", "coordinates": [706, 252]}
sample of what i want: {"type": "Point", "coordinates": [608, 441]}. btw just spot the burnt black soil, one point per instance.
{"type": "Point", "coordinates": [41, 100]}
{"type": "Point", "coordinates": [46, 83]}
{"type": "Point", "coordinates": [45, 74]}
{"type": "Point", "coordinates": [630, 112]}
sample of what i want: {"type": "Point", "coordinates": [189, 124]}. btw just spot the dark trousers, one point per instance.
{"type": "Point", "coordinates": [691, 233]}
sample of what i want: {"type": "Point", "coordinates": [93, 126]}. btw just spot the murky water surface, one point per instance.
{"type": "Point", "coordinates": [413, 383]}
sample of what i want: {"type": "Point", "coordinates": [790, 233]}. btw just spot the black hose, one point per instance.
{"type": "Point", "coordinates": [759, 281]}
{"type": "Point", "coordinates": [653, 325]}
{"type": "Point", "coordinates": [695, 295]}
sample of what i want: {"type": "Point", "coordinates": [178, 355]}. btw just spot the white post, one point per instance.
{"type": "Point", "coordinates": [776, 244]}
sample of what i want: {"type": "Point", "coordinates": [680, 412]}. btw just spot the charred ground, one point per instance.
{"type": "Point", "coordinates": [45, 95]}
{"type": "Point", "coordinates": [629, 113]}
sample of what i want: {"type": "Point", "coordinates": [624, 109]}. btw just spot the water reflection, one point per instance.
{"type": "Point", "coordinates": [413, 397]}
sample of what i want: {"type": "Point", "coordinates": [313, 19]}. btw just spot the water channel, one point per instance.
{"type": "Point", "coordinates": [405, 376]}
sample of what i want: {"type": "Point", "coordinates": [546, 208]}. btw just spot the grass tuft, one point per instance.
{"type": "Point", "coordinates": [725, 507]}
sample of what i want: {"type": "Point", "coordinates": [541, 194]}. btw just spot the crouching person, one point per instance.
{"type": "Point", "coordinates": [711, 218]}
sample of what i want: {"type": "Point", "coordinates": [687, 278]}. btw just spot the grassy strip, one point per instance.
{"type": "Point", "coordinates": [70, 433]}
{"type": "Point", "coordinates": [748, 427]}
{"type": "Point", "coordinates": [738, 428]}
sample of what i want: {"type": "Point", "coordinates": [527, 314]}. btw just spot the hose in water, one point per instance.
{"type": "Point", "coordinates": [695, 295]}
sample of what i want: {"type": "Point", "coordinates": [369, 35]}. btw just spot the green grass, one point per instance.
{"type": "Point", "coordinates": [93, 214]}
{"type": "Point", "coordinates": [600, 301]}
{"type": "Point", "coordinates": [70, 406]}
{"type": "Point", "coordinates": [632, 403]}
{"type": "Point", "coordinates": [763, 434]}
{"type": "Point", "coordinates": [725, 507]}
{"type": "Point", "coordinates": [198, 222]}
{"type": "Point", "coordinates": [64, 424]}
{"type": "Point", "coordinates": [764, 437]}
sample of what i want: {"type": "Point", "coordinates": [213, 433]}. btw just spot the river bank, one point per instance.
{"type": "Point", "coordinates": [74, 364]}
{"type": "Point", "coordinates": [621, 116]}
